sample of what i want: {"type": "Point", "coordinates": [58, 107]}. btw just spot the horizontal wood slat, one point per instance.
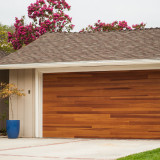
{"type": "Point", "coordinates": [114, 104]}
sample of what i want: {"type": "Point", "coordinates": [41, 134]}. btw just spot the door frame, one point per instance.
{"type": "Point", "coordinates": [93, 68]}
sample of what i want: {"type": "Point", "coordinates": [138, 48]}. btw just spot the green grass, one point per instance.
{"type": "Point", "coordinates": [148, 155]}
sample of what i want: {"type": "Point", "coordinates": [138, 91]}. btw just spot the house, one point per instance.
{"type": "Point", "coordinates": [88, 85]}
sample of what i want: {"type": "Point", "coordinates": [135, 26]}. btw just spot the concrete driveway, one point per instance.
{"type": "Point", "coordinates": [73, 149]}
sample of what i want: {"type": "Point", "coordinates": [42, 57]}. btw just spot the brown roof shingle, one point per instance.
{"type": "Point", "coordinates": [2, 54]}
{"type": "Point", "coordinates": [69, 47]}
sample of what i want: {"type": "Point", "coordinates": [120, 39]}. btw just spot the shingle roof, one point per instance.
{"type": "Point", "coordinates": [69, 47]}
{"type": "Point", "coordinates": [2, 54]}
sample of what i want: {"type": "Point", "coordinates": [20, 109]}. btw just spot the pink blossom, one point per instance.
{"type": "Point", "coordinates": [46, 16]}
{"type": "Point", "coordinates": [121, 25]}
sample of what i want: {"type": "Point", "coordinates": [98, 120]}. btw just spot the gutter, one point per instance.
{"type": "Point", "coordinates": [109, 63]}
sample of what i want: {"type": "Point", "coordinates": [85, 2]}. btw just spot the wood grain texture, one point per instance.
{"type": "Point", "coordinates": [114, 104]}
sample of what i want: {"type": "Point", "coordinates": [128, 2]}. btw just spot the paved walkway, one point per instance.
{"type": "Point", "coordinates": [73, 149]}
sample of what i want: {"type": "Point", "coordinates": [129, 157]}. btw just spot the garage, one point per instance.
{"type": "Point", "coordinates": [107, 104]}
{"type": "Point", "coordinates": [88, 85]}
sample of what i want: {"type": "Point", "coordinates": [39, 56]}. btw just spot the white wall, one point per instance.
{"type": "Point", "coordinates": [24, 107]}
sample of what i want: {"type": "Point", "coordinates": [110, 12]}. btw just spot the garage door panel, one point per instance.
{"type": "Point", "coordinates": [98, 85]}
{"type": "Point", "coordinates": [102, 96]}
{"type": "Point", "coordinates": [127, 126]}
{"type": "Point", "coordinates": [54, 109]}
{"type": "Point", "coordinates": [100, 104]}
{"type": "Point", "coordinates": [77, 119]}
{"type": "Point", "coordinates": [122, 115]}
{"type": "Point", "coordinates": [122, 104]}
{"type": "Point", "coordinates": [104, 89]}
{"type": "Point", "coordinates": [122, 111]}
{"type": "Point", "coordinates": [131, 111]}
{"type": "Point", "coordinates": [139, 104]}
{"type": "Point", "coordinates": [126, 97]}
{"type": "Point", "coordinates": [70, 133]}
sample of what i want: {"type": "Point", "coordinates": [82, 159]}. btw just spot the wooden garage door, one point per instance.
{"type": "Point", "coordinates": [117, 104]}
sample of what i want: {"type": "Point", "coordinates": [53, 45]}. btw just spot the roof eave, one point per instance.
{"type": "Point", "coordinates": [109, 63]}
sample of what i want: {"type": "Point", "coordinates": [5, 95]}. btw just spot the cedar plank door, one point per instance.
{"type": "Point", "coordinates": [113, 104]}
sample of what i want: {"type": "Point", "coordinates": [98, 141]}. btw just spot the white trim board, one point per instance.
{"type": "Point", "coordinates": [38, 104]}
{"type": "Point", "coordinates": [109, 63]}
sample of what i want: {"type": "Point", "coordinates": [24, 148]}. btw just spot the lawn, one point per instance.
{"type": "Point", "coordinates": [148, 155]}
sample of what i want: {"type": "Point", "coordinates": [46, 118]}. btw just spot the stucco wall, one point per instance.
{"type": "Point", "coordinates": [24, 107]}
{"type": "Point", "coordinates": [4, 77]}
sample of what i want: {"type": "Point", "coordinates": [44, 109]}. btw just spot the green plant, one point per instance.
{"type": "Point", "coordinates": [9, 91]}
{"type": "Point", "coordinates": [6, 101]}
{"type": "Point", "coordinates": [3, 132]}
{"type": "Point", "coordinates": [147, 155]}
{"type": "Point", "coordinates": [3, 118]}
{"type": "Point", "coordinates": [5, 46]}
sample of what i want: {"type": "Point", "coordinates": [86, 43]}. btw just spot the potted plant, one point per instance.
{"type": "Point", "coordinates": [9, 91]}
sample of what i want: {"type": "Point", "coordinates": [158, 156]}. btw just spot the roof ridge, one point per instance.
{"type": "Point", "coordinates": [151, 28]}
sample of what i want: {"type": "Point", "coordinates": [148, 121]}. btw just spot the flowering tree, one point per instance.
{"type": "Point", "coordinates": [121, 25]}
{"type": "Point", "coordinates": [47, 16]}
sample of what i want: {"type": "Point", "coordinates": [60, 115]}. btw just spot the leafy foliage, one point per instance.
{"type": "Point", "coordinates": [8, 91]}
{"type": "Point", "coordinates": [5, 46]}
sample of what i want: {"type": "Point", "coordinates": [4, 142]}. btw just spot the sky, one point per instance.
{"type": "Point", "coordinates": [85, 12]}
